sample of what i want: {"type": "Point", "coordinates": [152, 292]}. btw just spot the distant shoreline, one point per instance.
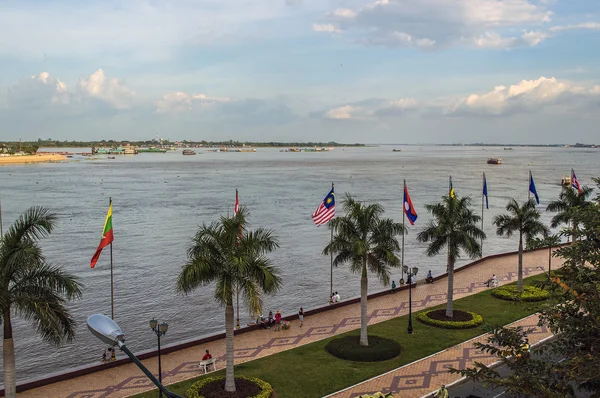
{"type": "Point", "coordinates": [38, 158]}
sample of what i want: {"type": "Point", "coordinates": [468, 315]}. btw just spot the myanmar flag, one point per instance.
{"type": "Point", "coordinates": [107, 236]}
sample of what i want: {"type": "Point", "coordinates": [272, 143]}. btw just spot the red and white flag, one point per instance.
{"type": "Point", "coordinates": [236, 208]}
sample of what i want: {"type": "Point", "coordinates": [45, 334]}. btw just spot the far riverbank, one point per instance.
{"type": "Point", "coordinates": [16, 159]}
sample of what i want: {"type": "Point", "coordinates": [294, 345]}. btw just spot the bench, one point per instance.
{"type": "Point", "coordinates": [206, 363]}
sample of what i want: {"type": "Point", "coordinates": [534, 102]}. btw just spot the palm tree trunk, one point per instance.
{"type": "Point", "coordinates": [520, 270]}
{"type": "Point", "coordinates": [364, 339]}
{"type": "Point", "coordinates": [8, 347]}
{"type": "Point", "coordinates": [450, 296]}
{"type": "Point", "coordinates": [229, 377]}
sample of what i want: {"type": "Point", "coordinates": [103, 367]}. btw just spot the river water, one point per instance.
{"type": "Point", "coordinates": [160, 199]}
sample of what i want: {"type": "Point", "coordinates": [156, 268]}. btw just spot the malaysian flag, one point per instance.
{"type": "Point", "coordinates": [326, 209]}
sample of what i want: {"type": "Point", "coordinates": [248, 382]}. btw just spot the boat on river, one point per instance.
{"type": "Point", "coordinates": [188, 152]}
{"type": "Point", "coordinates": [494, 161]}
{"type": "Point", "coordinates": [566, 181]}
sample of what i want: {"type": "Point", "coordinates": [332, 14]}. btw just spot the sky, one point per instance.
{"type": "Point", "coordinates": [369, 71]}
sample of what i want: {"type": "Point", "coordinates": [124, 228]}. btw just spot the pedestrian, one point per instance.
{"type": "Point", "coordinates": [441, 393]}
{"type": "Point", "coordinates": [301, 316]}
{"type": "Point", "coordinates": [337, 297]}
{"type": "Point", "coordinates": [393, 286]}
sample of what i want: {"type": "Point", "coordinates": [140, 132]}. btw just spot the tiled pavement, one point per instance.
{"type": "Point", "coordinates": [128, 380]}
{"type": "Point", "coordinates": [423, 377]}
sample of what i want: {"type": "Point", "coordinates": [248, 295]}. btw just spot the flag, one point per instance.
{"type": "Point", "coordinates": [236, 207]}
{"type": "Point", "coordinates": [107, 236]}
{"type": "Point", "coordinates": [326, 209]}
{"type": "Point", "coordinates": [532, 188]}
{"type": "Point", "coordinates": [451, 191]}
{"type": "Point", "coordinates": [485, 192]}
{"type": "Point", "coordinates": [409, 210]}
{"type": "Point", "coordinates": [575, 182]}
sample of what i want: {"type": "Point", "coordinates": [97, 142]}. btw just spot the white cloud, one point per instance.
{"type": "Point", "coordinates": [525, 96]}
{"type": "Point", "coordinates": [325, 28]}
{"type": "Point", "coordinates": [441, 23]}
{"type": "Point", "coordinates": [180, 101]}
{"type": "Point", "coordinates": [342, 112]}
{"type": "Point", "coordinates": [110, 91]}
{"type": "Point", "coordinates": [46, 91]}
{"type": "Point", "coordinates": [582, 25]}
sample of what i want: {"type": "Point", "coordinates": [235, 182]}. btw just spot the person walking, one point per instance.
{"type": "Point", "coordinates": [393, 286]}
{"type": "Point", "coordinates": [301, 316]}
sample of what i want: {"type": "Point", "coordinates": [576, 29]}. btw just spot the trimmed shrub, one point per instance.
{"type": "Point", "coordinates": [379, 349]}
{"type": "Point", "coordinates": [266, 389]}
{"type": "Point", "coordinates": [530, 293]}
{"type": "Point", "coordinates": [475, 320]}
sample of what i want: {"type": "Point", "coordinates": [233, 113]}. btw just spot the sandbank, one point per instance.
{"type": "Point", "coordinates": [50, 157]}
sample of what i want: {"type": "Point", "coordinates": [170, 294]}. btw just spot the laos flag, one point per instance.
{"type": "Point", "coordinates": [409, 209]}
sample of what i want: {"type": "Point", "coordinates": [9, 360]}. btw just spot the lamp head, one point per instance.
{"type": "Point", "coordinates": [405, 269]}
{"type": "Point", "coordinates": [153, 324]}
{"type": "Point", "coordinates": [415, 270]}
{"type": "Point", "coordinates": [105, 329]}
{"type": "Point", "coordinates": [163, 327]}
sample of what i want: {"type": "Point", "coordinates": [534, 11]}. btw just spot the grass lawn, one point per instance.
{"type": "Point", "coordinates": [309, 371]}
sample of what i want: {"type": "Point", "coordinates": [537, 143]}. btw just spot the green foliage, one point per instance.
{"type": "Point", "coordinates": [266, 389]}
{"type": "Point", "coordinates": [530, 293]}
{"type": "Point", "coordinates": [477, 320]}
{"type": "Point", "coordinates": [567, 206]}
{"type": "Point", "coordinates": [32, 288]}
{"type": "Point", "coordinates": [379, 349]}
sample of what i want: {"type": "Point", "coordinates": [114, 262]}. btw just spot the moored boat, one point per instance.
{"type": "Point", "coordinates": [188, 152]}
{"type": "Point", "coordinates": [566, 181]}
{"type": "Point", "coordinates": [494, 161]}
{"type": "Point", "coordinates": [396, 150]}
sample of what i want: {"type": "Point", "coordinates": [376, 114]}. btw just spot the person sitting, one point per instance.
{"type": "Point", "coordinates": [337, 297]}
{"type": "Point", "coordinates": [271, 320]}
{"type": "Point", "coordinates": [262, 322]}
{"type": "Point", "coordinates": [277, 320]}
{"type": "Point", "coordinates": [393, 286]}
{"type": "Point", "coordinates": [333, 300]}
{"type": "Point", "coordinates": [207, 356]}
{"type": "Point", "coordinates": [493, 281]}
{"type": "Point", "coordinates": [429, 278]}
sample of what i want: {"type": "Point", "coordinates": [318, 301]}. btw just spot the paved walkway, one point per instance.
{"type": "Point", "coordinates": [426, 375]}
{"type": "Point", "coordinates": [128, 380]}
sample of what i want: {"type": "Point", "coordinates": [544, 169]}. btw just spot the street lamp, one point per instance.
{"type": "Point", "coordinates": [107, 331]}
{"type": "Point", "coordinates": [410, 274]}
{"type": "Point", "coordinates": [159, 330]}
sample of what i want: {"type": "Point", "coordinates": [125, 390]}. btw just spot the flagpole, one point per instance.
{"type": "Point", "coordinates": [331, 257]}
{"type": "Point", "coordinates": [403, 221]}
{"type": "Point", "coordinates": [529, 188]}
{"type": "Point", "coordinates": [112, 285]}
{"type": "Point", "coordinates": [482, 187]}
{"type": "Point", "coordinates": [1, 232]}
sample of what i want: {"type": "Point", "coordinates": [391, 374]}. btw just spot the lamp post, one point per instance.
{"type": "Point", "coordinates": [107, 331]}
{"type": "Point", "coordinates": [410, 274]}
{"type": "Point", "coordinates": [159, 330]}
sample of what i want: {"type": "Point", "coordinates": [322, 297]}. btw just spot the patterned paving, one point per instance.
{"type": "Point", "coordinates": [425, 376]}
{"type": "Point", "coordinates": [128, 380]}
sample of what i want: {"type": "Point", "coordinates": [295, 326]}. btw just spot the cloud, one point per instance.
{"type": "Point", "coordinates": [582, 25]}
{"type": "Point", "coordinates": [429, 24]}
{"type": "Point", "coordinates": [325, 28]}
{"type": "Point", "coordinates": [138, 30]}
{"type": "Point", "coordinates": [44, 91]}
{"type": "Point", "coordinates": [179, 101]}
{"type": "Point", "coordinates": [542, 95]}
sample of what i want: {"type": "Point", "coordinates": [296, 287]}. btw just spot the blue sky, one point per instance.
{"type": "Point", "coordinates": [379, 71]}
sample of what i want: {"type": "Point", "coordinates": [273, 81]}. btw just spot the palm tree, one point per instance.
{"type": "Point", "coordinates": [32, 288]}
{"type": "Point", "coordinates": [566, 206]}
{"type": "Point", "coordinates": [454, 226]}
{"type": "Point", "coordinates": [367, 241]}
{"type": "Point", "coordinates": [228, 254]}
{"type": "Point", "coordinates": [524, 219]}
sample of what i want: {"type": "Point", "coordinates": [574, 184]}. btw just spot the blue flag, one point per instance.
{"type": "Point", "coordinates": [485, 192]}
{"type": "Point", "coordinates": [532, 188]}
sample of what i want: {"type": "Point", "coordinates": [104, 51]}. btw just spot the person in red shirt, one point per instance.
{"type": "Point", "coordinates": [206, 356]}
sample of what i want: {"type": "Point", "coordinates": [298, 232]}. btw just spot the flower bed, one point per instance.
{"type": "Point", "coordinates": [530, 293]}
{"type": "Point", "coordinates": [247, 387]}
{"type": "Point", "coordinates": [349, 349]}
{"type": "Point", "coordinates": [461, 319]}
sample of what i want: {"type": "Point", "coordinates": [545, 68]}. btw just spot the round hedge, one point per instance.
{"type": "Point", "coordinates": [265, 388]}
{"type": "Point", "coordinates": [466, 319]}
{"type": "Point", "coordinates": [349, 349]}
{"type": "Point", "coordinates": [530, 293]}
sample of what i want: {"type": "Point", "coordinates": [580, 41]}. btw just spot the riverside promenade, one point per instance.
{"type": "Point", "coordinates": [127, 379]}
